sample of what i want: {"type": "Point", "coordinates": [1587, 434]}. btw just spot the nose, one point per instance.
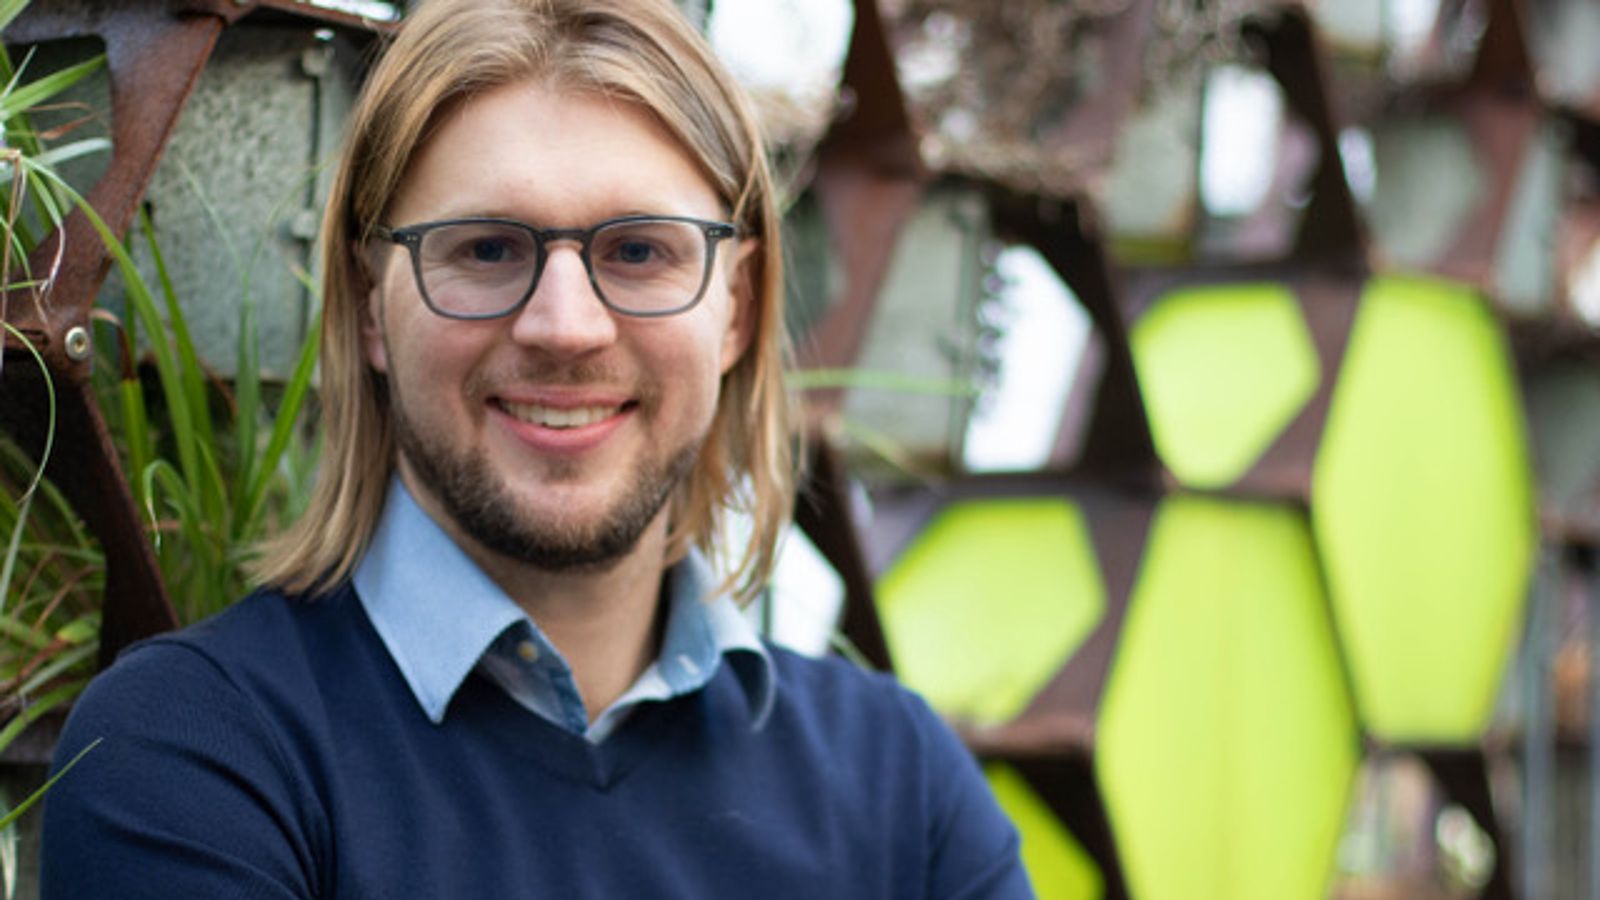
{"type": "Point", "coordinates": [564, 316]}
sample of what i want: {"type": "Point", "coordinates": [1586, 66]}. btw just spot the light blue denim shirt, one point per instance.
{"type": "Point", "coordinates": [441, 617]}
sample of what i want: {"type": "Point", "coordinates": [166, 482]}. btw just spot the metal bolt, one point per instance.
{"type": "Point", "coordinates": [316, 60]}
{"type": "Point", "coordinates": [304, 224]}
{"type": "Point", "coordinates": [78, 343]}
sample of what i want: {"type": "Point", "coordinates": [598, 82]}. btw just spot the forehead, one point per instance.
{"type": "Point", "coordinates": [553, 157]}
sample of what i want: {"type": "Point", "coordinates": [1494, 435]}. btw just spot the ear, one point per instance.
{"type": "Point", "coordinates": [372, 342]}
{"type": "Point", "coordinates": [740, 331]}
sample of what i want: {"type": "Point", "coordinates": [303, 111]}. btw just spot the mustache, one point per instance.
{"type": "Point", "coordinates": [553, 374]}
{"type": "Point", "coordinates": [491, 381]}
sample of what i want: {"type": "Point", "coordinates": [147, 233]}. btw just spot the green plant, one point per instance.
{"type": "Point", "coordinates": [213, 465]}
{"type": "Point", "coordinates": [41, 654]}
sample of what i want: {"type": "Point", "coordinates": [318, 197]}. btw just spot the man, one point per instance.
{"type": "Point", "coordinates": [491, 660]}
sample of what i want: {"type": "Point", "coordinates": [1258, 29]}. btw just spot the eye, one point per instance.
{"type": "Point", "coordinates": [489, 250]}
{"type": "Point", "coordinates": [634, 252]}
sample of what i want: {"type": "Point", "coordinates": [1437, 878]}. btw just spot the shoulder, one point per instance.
{"type": "Point", "coordinates": [862, 716]}
{"type": "Point", "coordinates": [217, 676]}
{"type": "Point", "coordinates": [874, 738]}
{"type": "Point", "coordinates": [184, 748]}
{"type": "Point", "coordinates": [835, 682]}
{"type": "Point", "coordinates": [831, 686]}
{"type": "Point", "coordinates": [266, 632]}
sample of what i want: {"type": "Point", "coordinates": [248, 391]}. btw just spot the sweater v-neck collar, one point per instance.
{"type": "Point", "coordinates": [601, 766]}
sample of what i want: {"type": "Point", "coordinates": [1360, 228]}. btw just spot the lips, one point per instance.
{"type": "Point", "coordinates": [560, 417]}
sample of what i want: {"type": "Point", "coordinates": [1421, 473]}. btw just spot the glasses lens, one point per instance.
{"type": "Point", "coordinates": [477, 268]}
{"type": "Point", "coordinates": [649, 266]}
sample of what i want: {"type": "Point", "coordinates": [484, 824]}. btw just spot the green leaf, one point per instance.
{"type": "Point", "coordinates": [24, 98]}
{"type": "Point", "coordinates": [81, 630]}
{"type": "Point", "coordinates": [192, 375]}
{"type": "Point", "coordinates": [25, 805]}
{"type": "Point", "coordinates": [31, 712]}
{"type": "Point", "coordinates": [55, 156]}
{"type": "Point", "coordinates": [247, 411]}
{"type": "Point", "coordinates": [9, 10]}
{"type": "Point", "coordinates": [287, 420]}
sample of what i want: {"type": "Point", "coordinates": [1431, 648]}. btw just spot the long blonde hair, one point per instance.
{"type": "Point", "coordinates": [449, 50]}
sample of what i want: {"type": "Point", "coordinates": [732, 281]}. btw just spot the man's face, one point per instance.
{"type": "Point", "coordinates": [553, 436]}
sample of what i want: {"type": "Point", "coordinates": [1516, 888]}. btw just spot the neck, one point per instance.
{"type": "Point", "coordinates": [606, 624]}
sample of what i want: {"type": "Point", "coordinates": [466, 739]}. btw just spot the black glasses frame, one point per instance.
{"type": "Point", "coordinates": [410, 237]}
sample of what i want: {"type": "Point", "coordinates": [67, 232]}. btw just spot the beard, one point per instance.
{"type": "Point", "coordinates": [483, 506]}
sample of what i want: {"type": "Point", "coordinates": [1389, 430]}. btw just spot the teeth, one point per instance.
{"type": "Point", "coordinates": [550, 417]}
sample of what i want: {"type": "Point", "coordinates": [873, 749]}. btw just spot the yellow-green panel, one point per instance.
{"type": "Point", "coordinates": [1423, 509]}
{"type": "Point", "coordinates": [1057, 865]}
{"type": "Point", "coordinates": [1223, 370]}
{"type": "Point", "coordinates": [988, 602]}
{"type": "Point", "coordinates": [1226, 741]}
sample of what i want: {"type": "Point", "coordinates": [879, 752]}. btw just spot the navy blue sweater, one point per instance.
{"type": "Point", "coordinates": [275, 751]}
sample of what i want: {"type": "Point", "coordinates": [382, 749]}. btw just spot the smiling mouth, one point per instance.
{"type": "Point", "coordinates": [553, 417]}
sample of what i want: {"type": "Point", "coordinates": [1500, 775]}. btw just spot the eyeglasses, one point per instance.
{"type": "Point", "coordinates": [487, 268]}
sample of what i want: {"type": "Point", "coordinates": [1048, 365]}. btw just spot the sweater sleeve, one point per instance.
{"type": "Point", "coordinates": [975, 851]}
{"type": "Point", "coordinates": [187, 794]}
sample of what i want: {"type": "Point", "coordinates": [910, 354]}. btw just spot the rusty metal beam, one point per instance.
{"type": "Point", "coordinates": [1118, 444]}
{"type": "Point", "coordinates": [1067, 785]}
{"type": "Point", "coordinates": [154, 60]}
{"type": "Point", "coordinates": [822, 511]}
{"type": "Point", "coordinates": [1330, 225]}
{"type": "Point", "coordinates": [869, 178]}
{"type": "Point", "coordinates": [155, 52]}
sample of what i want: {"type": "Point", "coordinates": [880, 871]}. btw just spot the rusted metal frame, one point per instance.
{"type": "Point", "coordinates": [1118, 445]}
{"type": "Point", "coordinates": [1329, 305]}
{"type": "Point", "coordinates": [154, 60]}
{"type": "Point", "coordinates": [875, 122]}
{"type": "Point", "coordinates": [1330, 226]}
{"type": "Point", "coordinates": [1051, 743]}
{"type": "Point", "coordinates": [1328, 296]}
{"type": "Point", "coordinates": [865, 212]}
{"type": "Point", "coordinates": [154, 53]}
{"type": "Point", "coordinates": [1504, 61]}
{"type": "Point", "coordinates": [823, 512]}
{"type": "Point", "coordinates": [1067, 785]}
{"type": "Point", "coordinates": [1063, 715]}
{"type": "Point", "coordinates": [231, 11]}
{"type": "Point", "coordinates": [1501, 129]}
{"type": "Point", "coordinates": [1500, 108]}
{"type": "Point", "coordinates": [1060, 719]}
{"type": "Point", "coordinates": [869, 178]}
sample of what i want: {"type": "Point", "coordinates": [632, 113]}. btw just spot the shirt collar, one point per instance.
{"type": "Point", "coordinates": [705, 627]}
{"type": "Point", "coordinates": [437, 613]}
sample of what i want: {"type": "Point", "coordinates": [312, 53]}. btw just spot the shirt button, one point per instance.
{"type": "Point", "coordinates": [528, 651]}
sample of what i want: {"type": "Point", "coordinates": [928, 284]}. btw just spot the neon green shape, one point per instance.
{"type": "Point", "coordinates": [1227, 742]}
{"type": "Point", "coordinates": [1422, 503]}
{"type": "Point", "coordinates": [1057, 865]}
{"type": "Point", "coordinates": [1223, 370]}
{"type": "Point", "coordinates": [987, 603]}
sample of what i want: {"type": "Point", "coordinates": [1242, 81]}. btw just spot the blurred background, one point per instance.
{"type": "Point", "coordinates": [1202, 399]}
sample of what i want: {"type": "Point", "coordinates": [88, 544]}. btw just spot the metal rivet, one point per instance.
{"type": "Point", "coordinates": [78, 343]}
